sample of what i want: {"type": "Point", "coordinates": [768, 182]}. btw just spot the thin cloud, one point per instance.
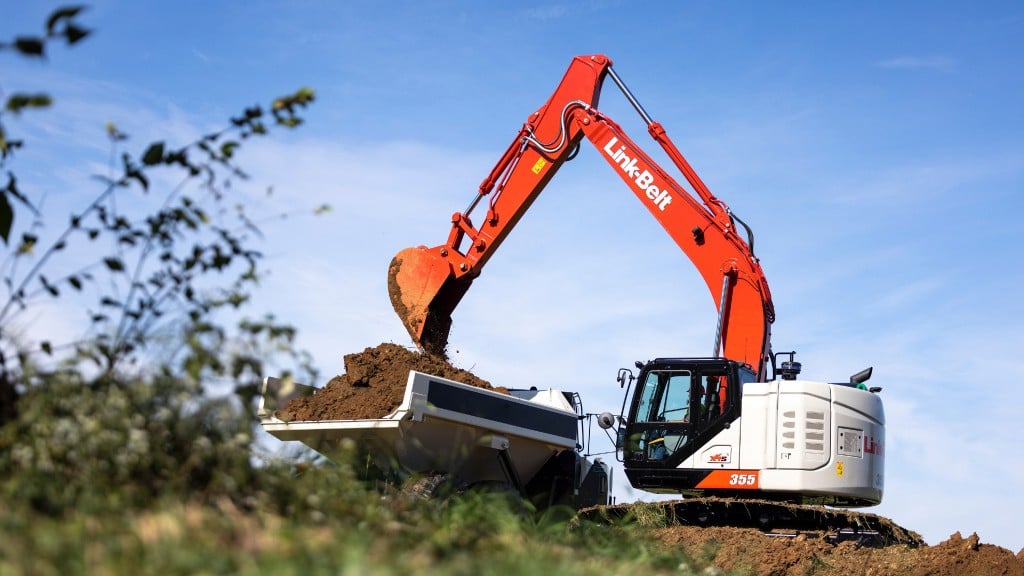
{"type": "Point", "coordinates": [545, 13]}
{"type": "Point", "coordinates": [936, 63]}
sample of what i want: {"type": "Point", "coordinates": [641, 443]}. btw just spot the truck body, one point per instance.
{"type": "Point", "coordinates": [525, 440]}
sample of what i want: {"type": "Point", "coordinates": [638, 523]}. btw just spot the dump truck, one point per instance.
{"type": "Point", "coordinates": [451, 434]}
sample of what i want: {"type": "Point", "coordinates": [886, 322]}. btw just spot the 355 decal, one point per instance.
{"type": "Point", "coordinates": [742, 479]}
{"type": "Point", "coordinates": [732, 479]}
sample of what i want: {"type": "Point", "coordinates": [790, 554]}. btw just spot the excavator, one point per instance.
{"type": "Point", "coordinates": [735, 425]}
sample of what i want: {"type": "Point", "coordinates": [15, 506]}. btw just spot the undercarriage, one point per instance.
{"type": "Point", "coordinates": [775, 519]}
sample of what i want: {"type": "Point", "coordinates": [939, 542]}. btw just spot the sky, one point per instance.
{"type": "Point", "coordinates": [876, 150]}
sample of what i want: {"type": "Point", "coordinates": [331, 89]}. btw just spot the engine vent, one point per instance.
{"type": "Point", "coordinates": [803, 439]}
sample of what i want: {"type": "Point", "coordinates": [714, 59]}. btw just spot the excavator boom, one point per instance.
{"type": "Point", "coordinates": [426, 284]}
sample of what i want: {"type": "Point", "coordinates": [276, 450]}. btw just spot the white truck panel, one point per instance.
{"type": "Point", "coordinates": [442, 425]}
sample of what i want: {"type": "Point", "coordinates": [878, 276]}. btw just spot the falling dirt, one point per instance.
{"type": "Point", "coordinates": [373, 385]}
{"type": "Point", "coordinates": [749, 551]}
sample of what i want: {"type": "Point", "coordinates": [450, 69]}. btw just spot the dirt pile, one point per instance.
{"type": "Point", "coordinates": [373, 385]}
{"type": "Point", "coordinates": [749, 551]}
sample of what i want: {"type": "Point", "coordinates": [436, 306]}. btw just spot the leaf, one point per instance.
{"type": "Point", "coordinates": [64, 13]}
{"type": "Point", "coordinates": [154, 154]}
{"type": "Point", "coordinates": [75, 33]}
{"type": "Point", "coordinates": [45, 345]}
{"type": "Point", "coordinates": [29, 46]}
{"type": "Point", "coordinates": [6, 217]}
{"type": "Point", "coordinates": [16, 102]}
{"type": "Point", "coordinates": [114, 264]}
{"type": "Point", "coordinates": [114, 133]}
{"type": "Point", "coordinates": [75, 282]}
{"type": "Point", "coordinates": [227, 149]}
{"type": "Point", "coordinates": [140, 177]}
{"type": "Point", "coordinates": [49, 287]}
{"type": "Point", "coordinates": [28, 242]}
{"type": "Point", "coordinates": [12, 190]}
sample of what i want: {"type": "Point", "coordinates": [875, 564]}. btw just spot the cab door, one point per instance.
{"type": "Point", "coordinates": [660, 419]}
{"type": "Point", "coordinates": [676, 409]}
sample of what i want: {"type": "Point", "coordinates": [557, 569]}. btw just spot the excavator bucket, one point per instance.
{"type": "Point", "coordinates": [424, 292]}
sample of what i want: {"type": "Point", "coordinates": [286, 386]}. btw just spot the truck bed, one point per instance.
{"type": "Point", "coordinates": [442, 426]}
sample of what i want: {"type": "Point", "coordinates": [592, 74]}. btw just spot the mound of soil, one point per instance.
{"type": "Point", "coordinates": [749, 551]}
{"type": "Point", "coordinates": [373, 385]}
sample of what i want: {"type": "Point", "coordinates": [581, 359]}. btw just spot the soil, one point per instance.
{"type": "Point", "coordinates": [373, 385]}
{"type": "Point", "coordinates": [749, 551]}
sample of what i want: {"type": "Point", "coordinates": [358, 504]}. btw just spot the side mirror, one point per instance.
{"type": "Point", "coordinates": [606, 420]}
{"type": "Point", "coordinates": [625, 377]}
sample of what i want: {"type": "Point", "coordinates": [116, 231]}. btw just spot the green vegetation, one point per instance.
{"type": "Point", "coordinates": [143, 272]}
{"type": "Point", "coordinates": [148, 478]}
{"type": "Point", "coordinates": [152, 477]}
{"type": "Point", "coordinates": [328, 524]}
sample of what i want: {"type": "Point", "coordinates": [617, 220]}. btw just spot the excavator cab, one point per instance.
{"type": "Point", "coordinates": [677, 404]}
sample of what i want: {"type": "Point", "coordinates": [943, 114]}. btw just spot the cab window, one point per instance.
{"type": "Point", "coordinates": [665, 397]}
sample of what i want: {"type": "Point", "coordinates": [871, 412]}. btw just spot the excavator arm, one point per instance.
{"type": "Point", "coordinates": [426, 284]}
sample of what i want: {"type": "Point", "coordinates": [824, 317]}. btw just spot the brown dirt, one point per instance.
{"type": "Point", "coordinates": [373, 385]}
{"type": "Point", "coordinates": [749, 551]}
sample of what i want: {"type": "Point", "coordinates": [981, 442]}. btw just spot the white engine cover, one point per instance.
{"type": "Point", "coordinates": [802, 436]}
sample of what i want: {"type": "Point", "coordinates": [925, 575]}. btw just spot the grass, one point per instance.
{"type": "Point", "coordinates": [133, 479]}
{"type": "Point", "coordinates": [470, 534]}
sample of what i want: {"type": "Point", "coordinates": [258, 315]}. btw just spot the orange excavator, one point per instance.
{"type": "Point", "coordinates": [426, 284]}
{"type": "Point", "coordinates": [714, 426]}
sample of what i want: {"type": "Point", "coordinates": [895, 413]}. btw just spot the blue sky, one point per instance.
{"type": "Point", "coordinates": [876, 149]}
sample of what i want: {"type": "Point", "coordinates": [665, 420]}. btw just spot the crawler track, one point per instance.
{"type": "Point", "coordinates": [772, 518]}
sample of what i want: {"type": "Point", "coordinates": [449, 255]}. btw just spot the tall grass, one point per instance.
{"type": "Point", "coordinates": [133, 478]}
